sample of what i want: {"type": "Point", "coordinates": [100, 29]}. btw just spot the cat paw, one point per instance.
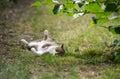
{"type": "Point", "coordinates": [46, 32]}
{"type": "Point", "coordinates": [33, 50]}
{"type": "Point", "coordinates": [24, 41]}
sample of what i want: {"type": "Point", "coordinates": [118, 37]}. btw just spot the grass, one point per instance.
{"type": "Point", "coordinates": [84, 45]}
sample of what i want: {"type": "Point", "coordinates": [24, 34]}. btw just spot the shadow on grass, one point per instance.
{"type": "Point", "coordinates": [93, 57]}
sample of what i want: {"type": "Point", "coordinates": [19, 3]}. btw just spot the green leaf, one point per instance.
{"type": "Point", "coordinates": [100, 0]}
{"type": "Point", "coordinates": [69, 13]}
{"type": "Point", "coordinates": [36, 4]}
{"type": "Point", "coordinates": [111, 6]}
{"type": "Point", "coordinates": [117, 55]}
{"type": "Point", "coordinates": [47, 2]}
{"type": "Point", "coordinates": [95, 20]}
{"type": "Point", "coordinates": [117, 58]}
{"type": "Point", "coordinates": [114, 29]}
{"type": "Point", "coordinates": [115, 43]}
{"type": "Point", "coordinates": [93, 8]}
{"type": "Point", "coordinates": [80, 5]}
{"type": "Point", "coordinates": [117, 19]}
{"type": "Point", "coordinates": [75, 10]}
{"type": "Point", "coordinates": [95, 1]}
{"type": "Point", "coordinates": [92, 24]}
{"type": "Point", "coordinates": [68, 9]}
{"type": "Point", "coordinates": [103, 17]}
{"type": "Point", "coordinates": [103, 20]}
{"type": "Point", "coordinates": [66, 1]}
{"type": "Point", "coordinates": [103, 14]}
{"type": "Point", "coordinates": [56, 8]}
{"type": "Point", "coordinates": [65, 10]}
{"type": "Point", "coordinates": [89, 0]}
{"type": "Point", "coordinates": [69, 5]}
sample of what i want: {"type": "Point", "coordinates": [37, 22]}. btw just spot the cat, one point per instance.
{"type": "Point", "coordinates": [47, 45]}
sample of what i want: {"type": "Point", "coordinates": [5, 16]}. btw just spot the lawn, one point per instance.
{"type": "Point", "coordinates": [85, 46]}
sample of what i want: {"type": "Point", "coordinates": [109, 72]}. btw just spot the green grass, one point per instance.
{"type": "Point", "coordinates": [84, 45]}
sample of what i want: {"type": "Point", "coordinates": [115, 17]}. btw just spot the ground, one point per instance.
{"type": "Point", "coordinates": [85, 47]}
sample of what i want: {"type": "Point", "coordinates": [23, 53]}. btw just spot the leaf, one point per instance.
{"type": "Point", "coordinates": [89, 0]}
{"type": "Point", "coordinates": [92, 24]}
{"type": "Point", "coordinates": [70, 14]}
{"type": "Point", "coordinates": [114, 29]}
{"type": "Point", "coordinates": [103, 20]}
{"type": "Point", "coordinates": [65, 10]}
{"type": "Point", "coordinates": [93, 7]}
{"type": "Point", "coordinates": [95, 0]}
{"type": "Point", "coordinates": [69, 5]}
{"type": "Point", "coordinates": [117, 19]}
{"type": "Point", "coordinates": [48, 2]}
{"type": "Point", "coordinates": [68, 9]}
{"type": "Point", "coordinates": [80, 5]}
{"type": "Point", "coordinates": [103, 17]}
{"type": "Point", "coordinates": [56, 8]}
{"type": "Point", "coordinates": [117, 55]}
{"type": "Point", "coordinates": [100, 0]}
{"type": "Point", "coordinates": [111, 6]}
{"type": "Point", "coordinates": [103, 14]}
{"type": "Point", "coordinates": [76, 15]}
{"type": "Point", "coordinates": [116, 41]}
{"type": "Point", "coordinates": [36, 4]}
{"type": "Point", "coordinates": [75, 10]}
{"type": "Point", "coordinates": [56, 1]}
{"type": "Point", "coordinates": [95, 20]}
{"type": "Point", "coordinates": [114, 15]}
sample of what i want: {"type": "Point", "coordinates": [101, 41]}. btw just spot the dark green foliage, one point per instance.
{"type": "Point", "coordinates": [101, 8]}
{"type": "Point", "coordinates": [65, 10]}
{"type": "Point", "coordinates": [95, 20]}
{"type": "Point", "coordinates": [56, 8]}
{"type": "Point", "coordinates": [114, 29]}
{"type": "Point", "coordinates": [117, 55]}
{"type": "Point", "coordinates": [80, 4]}
{"type": "Point", "coordinates": [115, 43]}
{"type": "Point", "coordinates": [111, 6]}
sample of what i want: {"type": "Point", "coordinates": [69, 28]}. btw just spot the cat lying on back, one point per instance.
{"type": "Point", "coordinates": [47, 45]}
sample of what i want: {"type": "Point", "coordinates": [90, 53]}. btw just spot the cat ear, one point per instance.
{"type": "Point", "coordinates": [62, 45]}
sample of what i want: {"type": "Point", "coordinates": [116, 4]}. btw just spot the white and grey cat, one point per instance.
{"type": "Point", "coordinates": [47, 45]}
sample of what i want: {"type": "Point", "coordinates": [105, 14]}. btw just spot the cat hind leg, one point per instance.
{"type": "Point", "coordinates": [24, 41]}
{"type": "Point", "coordinates": [37, 52]}
{"type": "Point", "coordinates": [45, 35]}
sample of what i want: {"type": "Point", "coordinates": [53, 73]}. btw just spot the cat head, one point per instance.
{"type": "Point", "coordinates": [60, 50]}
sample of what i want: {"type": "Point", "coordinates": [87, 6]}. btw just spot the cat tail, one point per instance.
{"type": "Point", "coordinates": [45, 34]}
{"type": "Point", "coordinates": [24, 41]}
